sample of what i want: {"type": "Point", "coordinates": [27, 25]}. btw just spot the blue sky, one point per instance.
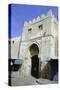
{"type": "Point", "coordinates": [21, 13]}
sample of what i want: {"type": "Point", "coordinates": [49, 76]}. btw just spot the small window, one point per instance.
{"type": "Point", "coordinates": [40, 27]}
{"type": "Point", "coordinates": [29, 30]}
{"type": "Point", "coordinates": [13, 42]}
{"type": "Point", "coordinates": [9, 42]}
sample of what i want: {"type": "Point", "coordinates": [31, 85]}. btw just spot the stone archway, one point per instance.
{"type": "Point", "coordinates": [34, 51]}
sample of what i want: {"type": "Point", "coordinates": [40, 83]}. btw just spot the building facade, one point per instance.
{"type": "Point", "coordinates": [41, 32]}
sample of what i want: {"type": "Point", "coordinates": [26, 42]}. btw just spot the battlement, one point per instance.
{"type": "Point", "coordinates": [39, 18]}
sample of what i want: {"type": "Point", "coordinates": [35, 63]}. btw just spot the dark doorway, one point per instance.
{"type": "Point", "coordinates": [54, 69]}
{"type": "Point", "coordinates": [34, 51]}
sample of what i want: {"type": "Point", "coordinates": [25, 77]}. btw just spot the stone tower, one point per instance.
{"type": "Point", "coordinates": [40, 37]}
{"type": "Point", "coordinates": [43, 32]}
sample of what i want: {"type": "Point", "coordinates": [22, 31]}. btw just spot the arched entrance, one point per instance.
{"type": "Point", "coordinates": [34, 51]}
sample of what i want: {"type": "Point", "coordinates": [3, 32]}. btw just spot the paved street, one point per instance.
{"type": "Point", "coordinates": [29, 80]}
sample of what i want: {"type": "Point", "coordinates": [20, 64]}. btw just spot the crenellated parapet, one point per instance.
{"type": "Point", "coordinates": [39, 18]}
